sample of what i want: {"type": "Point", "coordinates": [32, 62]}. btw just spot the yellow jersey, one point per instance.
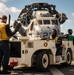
{"type": "Point", "coordinates": [55, 39]}
{"type": "Point", "coordinates": [3, 35]}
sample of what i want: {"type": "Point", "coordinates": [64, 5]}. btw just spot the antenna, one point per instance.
{"type": "Point", "coordinates": [9, 19]}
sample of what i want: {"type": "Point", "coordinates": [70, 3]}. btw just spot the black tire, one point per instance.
{"type": "Point", "coordinates": [68, 58]}
{"type": "Point", "coordinates": [42, 61]}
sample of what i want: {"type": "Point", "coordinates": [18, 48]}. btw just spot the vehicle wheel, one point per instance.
{"type": "Point", "coordinates": [68, 58]}
{"type": "Point", "coordinates": [42, 61]}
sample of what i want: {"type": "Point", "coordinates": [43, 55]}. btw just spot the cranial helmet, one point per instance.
{"type": "Point", "coordinates": [70, 31]}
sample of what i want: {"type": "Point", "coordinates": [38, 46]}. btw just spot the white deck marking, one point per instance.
{"type": "Point", "coordinates": [55, 71]}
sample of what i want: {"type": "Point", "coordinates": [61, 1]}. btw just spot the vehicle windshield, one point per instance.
{"type": "Point", "coordinates": [54, 22]}
{"type": "Point", "coordinates": [44, 22]}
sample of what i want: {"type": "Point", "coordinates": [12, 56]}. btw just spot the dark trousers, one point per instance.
{"type": "Point", "coordinates": [4, 54]}
{"type": "Point", "coordinates": [59, 49]}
